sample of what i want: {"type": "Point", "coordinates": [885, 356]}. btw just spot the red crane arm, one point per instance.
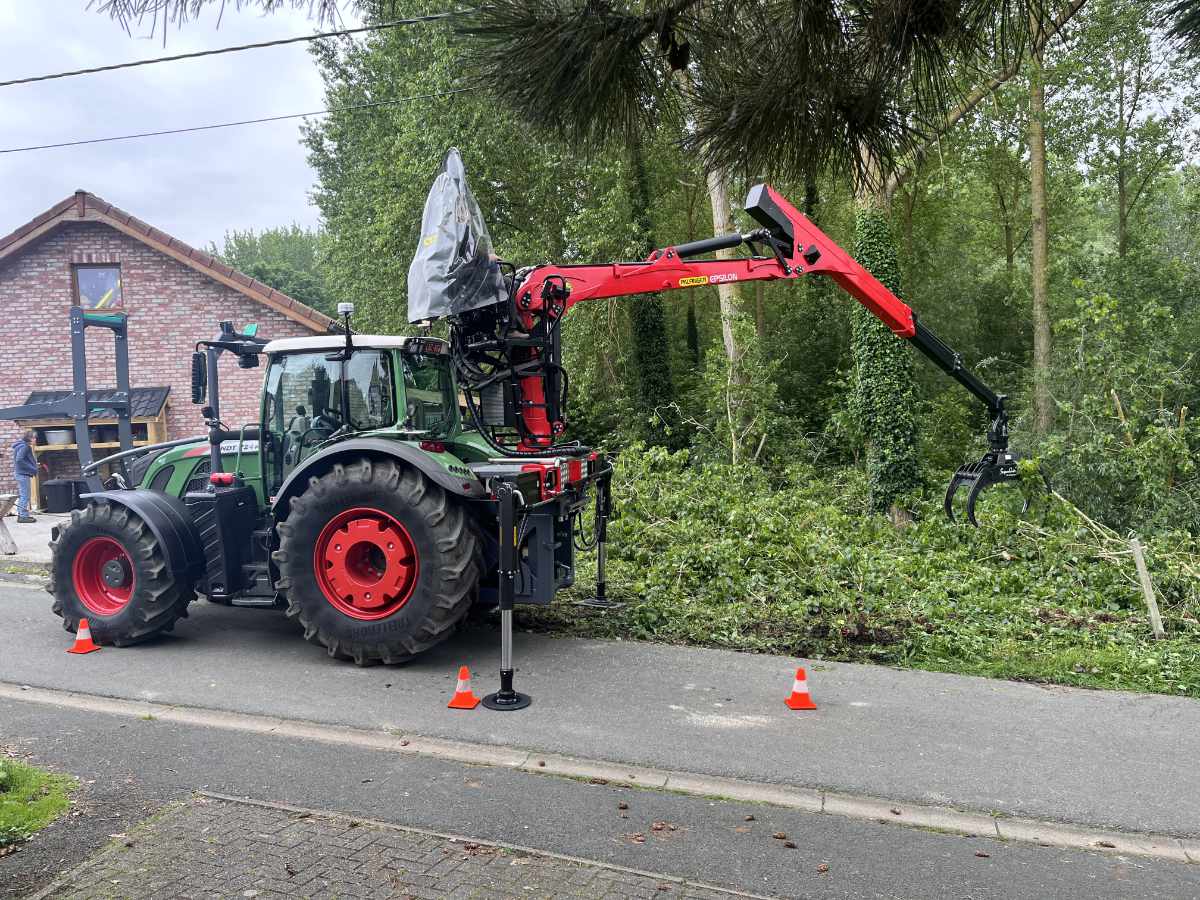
{"type": "Point", "coordinates": [803, 249]}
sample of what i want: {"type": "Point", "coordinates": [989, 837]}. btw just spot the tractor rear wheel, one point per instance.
{"type": "Point", "coordinates": [376, 562]}
{"type": "Point", "coordinates": [107, 567]}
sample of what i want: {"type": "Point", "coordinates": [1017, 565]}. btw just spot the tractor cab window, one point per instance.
{"type": "Point", "coordinates": [310, 398]}
{"type": "Point", "coordinates": [430, 407]}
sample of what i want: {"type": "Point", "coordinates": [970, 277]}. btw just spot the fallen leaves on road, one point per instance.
{"type": "Point", "coordinates": [637, 837]}
{"type": "Point", "coordinates": [791, 845]}
{"type": "Point", "coordinates": [622, 805]}
{"type": "Point", "coordinates": [823, 868]}
{"type": "Point", "coordinates": [779, 836]}
{"type": "Point", "coordinates": [749, 819]}
{"type": "Point", "coordinates": [983, 855]}
{"type": "Point", "coordinates": [663, 826]}
{"type": "Point", "coordinates": [1109, 844]}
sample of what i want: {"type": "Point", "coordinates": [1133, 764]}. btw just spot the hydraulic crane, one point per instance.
{"type": "Point", "coordinates": [506, 337]}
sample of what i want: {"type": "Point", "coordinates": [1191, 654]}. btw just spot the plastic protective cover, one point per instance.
{"type": "Point", "coordinates": [454, 270]}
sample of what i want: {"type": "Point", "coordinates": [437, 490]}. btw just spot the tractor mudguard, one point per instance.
{"type": "Point", "coordinates": [168, 520]}
{"type": "Point", "coordinates": [466, 485]}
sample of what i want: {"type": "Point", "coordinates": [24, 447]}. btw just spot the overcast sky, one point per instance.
{"type": "Point", "coordinates": [194, 186]}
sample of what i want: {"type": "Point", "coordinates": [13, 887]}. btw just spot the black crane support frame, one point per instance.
{"type": "Point", "coordinates": [76, 404]}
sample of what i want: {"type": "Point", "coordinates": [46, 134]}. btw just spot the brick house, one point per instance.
{"type": "Point", "coordinates": [86, 251]}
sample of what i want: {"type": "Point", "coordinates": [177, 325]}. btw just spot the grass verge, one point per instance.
{"type": "Point", "coordinates": [30, 799]}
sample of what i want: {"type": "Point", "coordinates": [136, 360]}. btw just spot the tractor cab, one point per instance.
{"type": "Point", "coordinates": [317, 393]}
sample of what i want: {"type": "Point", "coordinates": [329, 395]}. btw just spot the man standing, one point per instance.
{"type": "Point", "coordinates": [25, 466]}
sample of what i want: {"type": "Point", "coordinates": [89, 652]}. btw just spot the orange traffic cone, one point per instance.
{"type": "Point", "coordinates": [800, 698]}
{"type": "Point", "coordinates": [463, 697]}
{"type": "Point", "coordinates": [83, 639]}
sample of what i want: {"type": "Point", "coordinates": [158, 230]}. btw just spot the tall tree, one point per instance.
{"type": "Point", "coordinates": [1043, 403]}
{"type": "Point", "coordinates": [651, 356]}
{"type": "Point", "coordinates": [287, 259]}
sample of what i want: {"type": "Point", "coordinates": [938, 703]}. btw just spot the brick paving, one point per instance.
{"type": "Point", "coordinates": [215, 848]}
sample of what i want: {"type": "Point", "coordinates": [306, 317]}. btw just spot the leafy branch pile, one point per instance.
{"type": "Point", "coordinates": [707, 554]}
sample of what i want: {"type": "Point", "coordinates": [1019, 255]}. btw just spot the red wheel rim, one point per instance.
{"type": "Point", "coordinates": [366, 563]}
{"type": "Point", "coordinates": [103, 575]}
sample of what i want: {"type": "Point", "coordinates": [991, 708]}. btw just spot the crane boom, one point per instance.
{"type": "Point", "coordinates": [509, 351]}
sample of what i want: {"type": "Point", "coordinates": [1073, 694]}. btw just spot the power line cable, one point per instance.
{"type": "Point", "coordinates": [319, 112]}
{"type": "Point", "coordinates": [236, 49]}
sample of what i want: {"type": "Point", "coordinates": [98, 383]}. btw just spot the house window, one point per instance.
{"type": "Point", "coordinates": [98, 287]}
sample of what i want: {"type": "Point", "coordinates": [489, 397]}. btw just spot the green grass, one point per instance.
{"type": "Point", "coordinates": [30, 799]}
{"type": "Point", "coordinates": [795, 565]}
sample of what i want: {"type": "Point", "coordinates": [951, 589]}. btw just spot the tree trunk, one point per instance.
{"type": "Point", "coordinates": [1043, 405]}
{"type": "Point", "coordinates": [727, 294]}
{"type": "Point", "coordinates": [651, 355]}
{"type": "Point", "coordinates": [884, 370]}
{"type": "Point", "coordinates": [718, 194]}
{"type": "Point", "coordinates": [1122, 188]}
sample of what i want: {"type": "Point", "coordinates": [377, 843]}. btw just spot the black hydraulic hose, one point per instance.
{"type": "Point", "coordinates": [709, 245]}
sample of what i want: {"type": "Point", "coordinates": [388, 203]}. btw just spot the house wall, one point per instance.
{"type": "Point", "coordinates": [170, 306]}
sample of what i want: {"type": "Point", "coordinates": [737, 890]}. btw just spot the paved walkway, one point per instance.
{"type": "Point", "coordinates": [33, 541]}
{"type": "Point", "coordinates": [210, 847]}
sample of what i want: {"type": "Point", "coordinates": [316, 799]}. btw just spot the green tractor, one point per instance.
{"type": "Point", "coordinates": [363, 502]}
{"type": "Point", "coordinates": [358, 503]}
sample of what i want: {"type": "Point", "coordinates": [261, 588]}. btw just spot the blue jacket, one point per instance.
{"type": "Point", "coordinates": [24, 462]}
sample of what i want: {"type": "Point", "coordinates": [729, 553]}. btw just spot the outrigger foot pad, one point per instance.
{"type": "Point", "coordinates": [505, 700]}
{"type": "Point", "coordinates": [599, 603]}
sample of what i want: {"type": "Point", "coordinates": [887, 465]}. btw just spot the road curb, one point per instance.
{"type": "Point", "coordinates": [807, 799]}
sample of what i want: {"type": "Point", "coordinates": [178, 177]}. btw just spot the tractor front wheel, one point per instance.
{"type": "Point", "coordinates": [107, 567]}
{"type": "Point", "coordinates": [376, 562]}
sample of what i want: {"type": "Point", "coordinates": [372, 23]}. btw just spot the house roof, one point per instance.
{"type": "Point", "coordinates": [144, 403]}
{"type": "Point", "coordinates": [84, 206]}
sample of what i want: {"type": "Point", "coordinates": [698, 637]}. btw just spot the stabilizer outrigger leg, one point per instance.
{"type": "Point", "coordinates": [507, 698]}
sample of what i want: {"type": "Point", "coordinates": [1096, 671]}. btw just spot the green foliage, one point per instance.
{"type": "Point", "coordinates": [30, 799]}
{"type": "Point", "coordinates": [739, 401]}
{"type": "Point", "coordinates": [287, 259]}
{"type": "Point", "coordinates": [711, 554]}
{"type": "Point", "coordinates": [884, 397]}
{"type": "Point", "coordinates": [1128, 447]}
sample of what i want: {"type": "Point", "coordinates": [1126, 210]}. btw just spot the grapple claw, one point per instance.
{"type": "Point", "coordinates": [994, 468]}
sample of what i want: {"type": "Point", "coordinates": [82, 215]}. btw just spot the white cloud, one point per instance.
{"type": "Point", "coordinates": [194, 186]}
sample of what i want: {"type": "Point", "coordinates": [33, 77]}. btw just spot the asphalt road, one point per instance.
{"type": "Point", "coordinates": [151, 762]}
{"type": "Point", "coordinates": [980, 744]}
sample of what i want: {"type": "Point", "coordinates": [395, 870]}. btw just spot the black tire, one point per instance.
{"type": "Point", "coordinates": [156, 599]}
{"type": "Point", "coordinates": [445, 548]}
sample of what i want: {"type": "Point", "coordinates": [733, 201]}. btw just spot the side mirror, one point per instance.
{"type": "Point", "coordinates": [248, 360]}
{"type": "Point", "coordinates": [199, 376]}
